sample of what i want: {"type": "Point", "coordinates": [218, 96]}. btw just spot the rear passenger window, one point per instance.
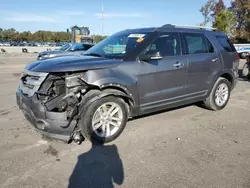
{"type": "Point", "coordinates": [197, 43]}
{"type": "Point", "coordinates": [226, 43]}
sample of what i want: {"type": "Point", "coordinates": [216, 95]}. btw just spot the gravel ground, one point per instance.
{"type": "Point", "coordinates": [184, 148]}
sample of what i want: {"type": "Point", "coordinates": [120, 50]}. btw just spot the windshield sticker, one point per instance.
{"type": "Point", "coordinates": [117, 45]}
{"type": "Point", "coordinates": [140, 40]}
{"type": "Point", "coordinates": [136, 35]}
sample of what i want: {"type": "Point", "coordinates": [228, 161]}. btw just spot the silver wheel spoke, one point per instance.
{"type": "Point", "coordinates": [100, 112]}
{"type": "Point", "coordinates": [115, 111]}
{"type": "Point", "coordinates": [108, 130]}
{"type": "Point", "coordinates": [218, 100]}
{"type": "Point", "coordinates": [116, 119]}
{"type": "Point", "coordinates": [104, 108]}
{"type": "Point", "coordinates": [225, 92]}
{"type": "Point", "coordinates": [111, 109]}
{"type": "Point", "coordinates": [97, 120]}
{"type": "Point", "coordinates": [97, 126]}
{"type": "Point", "coordinates": [103, 127]}
{"type": "Point", "coordinates": [115, 124]}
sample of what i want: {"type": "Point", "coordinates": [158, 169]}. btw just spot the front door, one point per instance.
{"type": "Point", "coordinates": [167, 83]}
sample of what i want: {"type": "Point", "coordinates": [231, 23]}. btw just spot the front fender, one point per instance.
{"type": "Point", "coordinates": [113, 78]}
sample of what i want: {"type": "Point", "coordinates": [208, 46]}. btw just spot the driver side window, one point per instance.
{"type": "Point", "coordinates": [168, 44]}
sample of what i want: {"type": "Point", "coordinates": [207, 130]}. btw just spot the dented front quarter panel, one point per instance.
{"type": "Point", "coordinates": [115, 77]}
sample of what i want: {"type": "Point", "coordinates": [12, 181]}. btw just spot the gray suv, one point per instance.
{"type": "Point", "coordinates": [131, 73]}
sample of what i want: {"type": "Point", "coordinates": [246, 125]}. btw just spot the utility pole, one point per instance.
{"type": "Point", "coordinates": [102, 20]}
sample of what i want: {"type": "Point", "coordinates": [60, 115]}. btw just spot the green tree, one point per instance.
{"type": "Point", "coordinates": [219, 6]}
{"type": "Point", "coordinates": [242, 11]}
{"type": "Point", "coordinates": [26, 36]}
{"type": "Point", "coordinates": [226, 21]}
{"type": "Point", "coordinates": [8, 34]}
{"type": "Point", "coordinates": [1, 34]}
{"type": "Point", "coordinates": [207, 11]}
{"type": "Point", "coordinates": [218, 9]}
{"type": "Point", "coordinates": [16, 36]}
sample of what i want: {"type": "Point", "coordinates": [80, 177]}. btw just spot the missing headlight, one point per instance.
{"type": "Point", "coordinates": [73, 80]}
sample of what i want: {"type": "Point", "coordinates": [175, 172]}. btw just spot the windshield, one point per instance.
{"type": "Point", "coordinates": [65, 47]}
{"type": "Point", "coordinates": [117, 46]}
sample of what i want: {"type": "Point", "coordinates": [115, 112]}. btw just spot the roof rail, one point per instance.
{"type": "Point", "coordinates": [188, 26]}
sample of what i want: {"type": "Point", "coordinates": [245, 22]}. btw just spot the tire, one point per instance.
{"type": "Point", "coordinates": [245, 70]}
{"type": "Point", "coordinates": [243, 55]}
{"type": "Point", "coordinates": [86, 119]}
{"type": "Point", "coordinates": [211, 102]}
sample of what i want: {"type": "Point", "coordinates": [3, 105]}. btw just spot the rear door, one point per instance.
{"type": "Point", "coordinates": [203, 63]}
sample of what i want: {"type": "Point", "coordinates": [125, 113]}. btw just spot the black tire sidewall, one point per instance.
{"type": "Point", "coordinates": [86, 119]}
{"type": "Point", "coordinates": [219, 82]}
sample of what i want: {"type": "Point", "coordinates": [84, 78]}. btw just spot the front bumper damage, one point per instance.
{"type": "Point", "coordinates": [54, 103]}
{"type": "Point", "coordinates": [50, 103]}
{"type": "Point", "coordinates": [49, 124]}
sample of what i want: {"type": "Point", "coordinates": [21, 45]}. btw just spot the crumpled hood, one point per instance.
{"type": "Point", "coordinates": [71, 63]}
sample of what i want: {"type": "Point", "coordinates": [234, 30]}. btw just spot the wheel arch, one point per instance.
{"type": "Point", "coordinates": [225, 74]}
{"type": "Point", "coordinates": [110, 90]}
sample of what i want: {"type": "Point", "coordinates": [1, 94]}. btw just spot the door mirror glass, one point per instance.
{"type": "Point", "coordinates": [151, 55]}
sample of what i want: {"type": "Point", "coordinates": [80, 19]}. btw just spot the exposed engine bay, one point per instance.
{"type": "Point", "coordinates": [62, 93]}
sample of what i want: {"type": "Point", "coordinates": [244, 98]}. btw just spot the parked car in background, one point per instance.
{"type": "Point", "coordinates": [4, 43]}
{"type": "Point", "coordinates": [67, 49]}
{"type": "Point", "coordinates": [244, 52]}
{"type": "Point", "coordinates": [131, 73]}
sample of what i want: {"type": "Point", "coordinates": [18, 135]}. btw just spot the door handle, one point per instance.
{"type": "Point", "coordinates": [215, 59]}
{"type": "Point", "coordinates": [178, 64]}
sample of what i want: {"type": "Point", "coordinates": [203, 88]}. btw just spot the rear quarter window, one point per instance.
{"type": "Point", "coordinates": [226, 43]}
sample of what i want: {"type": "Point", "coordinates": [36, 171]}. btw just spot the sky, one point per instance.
{"type": "Point", "coordinates": [58, 15]}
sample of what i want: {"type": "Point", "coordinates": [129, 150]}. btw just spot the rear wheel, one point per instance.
{"type": "Point", "coordinates": [219, 96]}
{"type": "Point", "coordinates": [104, 119]}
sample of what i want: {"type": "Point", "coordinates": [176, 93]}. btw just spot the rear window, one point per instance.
{"type": "Point", "coordinates": [226, 44]}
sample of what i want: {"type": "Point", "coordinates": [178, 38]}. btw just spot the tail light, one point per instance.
{"type": "Point", "coordinates": [237, 57]}
{"type": "Point", "coordinates": [236, 64]}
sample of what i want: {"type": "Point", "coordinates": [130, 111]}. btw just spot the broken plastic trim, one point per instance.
{"type": "Point", "coordinates": [73, 80]}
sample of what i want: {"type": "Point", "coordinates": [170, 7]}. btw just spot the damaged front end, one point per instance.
{"type": "Point", "coordinates": [50, 102]}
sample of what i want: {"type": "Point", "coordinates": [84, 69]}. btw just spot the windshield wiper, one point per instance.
{"type": "Point", "coordinates": [94, 54]}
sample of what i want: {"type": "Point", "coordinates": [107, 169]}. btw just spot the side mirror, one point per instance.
{"type": "Point", "coordinates": [151, 55]}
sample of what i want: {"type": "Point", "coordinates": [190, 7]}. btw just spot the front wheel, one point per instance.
{"type": "Point", "coordinates": [104, 119]}
{"type": "Point", "coordinates": [219, 96]}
